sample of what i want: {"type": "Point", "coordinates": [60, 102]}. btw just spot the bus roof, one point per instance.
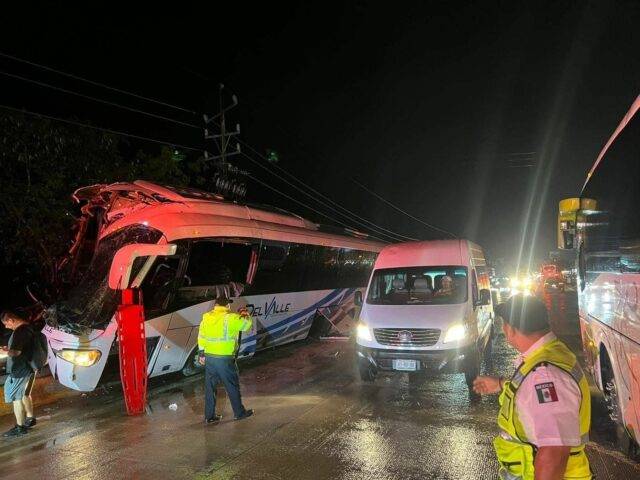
{"type": "Point", "coordinates": [188, 213]}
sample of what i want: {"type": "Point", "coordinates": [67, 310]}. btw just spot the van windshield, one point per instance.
{"type": "Point", "coordinates": [418, 286]}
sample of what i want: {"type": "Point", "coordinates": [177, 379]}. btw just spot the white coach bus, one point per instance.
{"type": "Point", "coordinates": [291, 274]}
{"type": "Point", "coordinates": [604, 226]}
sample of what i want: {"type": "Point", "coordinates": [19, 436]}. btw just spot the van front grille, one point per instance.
{"type": "Point", "coordinates": [407, 337]}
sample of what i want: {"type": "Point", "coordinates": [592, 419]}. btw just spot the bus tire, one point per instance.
{"type": "Point", "coordinates": [624, 441]}
{"type": "Point", "coordinates": [191, 366]}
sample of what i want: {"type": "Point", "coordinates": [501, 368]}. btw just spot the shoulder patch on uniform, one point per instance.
{"type": "Point", "coordinates": [546, 392]}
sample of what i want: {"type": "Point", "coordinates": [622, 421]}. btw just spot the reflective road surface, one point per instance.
{"type": "Point", "coordinates": [314, 420]}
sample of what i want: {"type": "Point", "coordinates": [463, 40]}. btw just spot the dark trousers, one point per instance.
{"type": "Point", "coordinates": [221, 369]}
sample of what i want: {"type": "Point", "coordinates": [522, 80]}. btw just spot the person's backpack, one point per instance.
{"type": "Point", "coordinates": [39, 353]}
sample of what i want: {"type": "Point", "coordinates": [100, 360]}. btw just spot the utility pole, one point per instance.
{"type": "Point", "coordinates": [226, 179]}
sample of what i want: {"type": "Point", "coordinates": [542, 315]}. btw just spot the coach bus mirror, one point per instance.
{"type": "Point", "coordinates": [484, 298]}
{"type": "Point", "coordinates": [357, 298]}
{"type": "Point", "coordinates": [120, 272]}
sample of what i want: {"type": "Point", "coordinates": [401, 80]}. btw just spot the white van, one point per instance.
{"type": "Point", "coordinates": [427, 308]}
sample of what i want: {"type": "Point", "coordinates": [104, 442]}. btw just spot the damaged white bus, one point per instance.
{"type": "Point", "coordinates": [292, 275]}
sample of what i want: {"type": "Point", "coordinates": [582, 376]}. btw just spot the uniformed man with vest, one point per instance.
{"type": "Point", "coordinates": [545, 407]}
{"type": "Point", "coordinates": [218, 344]}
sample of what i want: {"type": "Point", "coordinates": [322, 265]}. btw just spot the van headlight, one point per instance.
{"type": "Point", "coordinates": [455, 332]}
{"type": "Point", "coordinates": [82, 358]}
{"type": "Point", "coordinates": [364, 332]}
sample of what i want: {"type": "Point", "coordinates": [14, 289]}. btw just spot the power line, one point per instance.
{"type": "Point", "coordinates": [400, 210]}
{"type": "Point", "coordinates": [88, 97]}
{"type": "Point", "coordinates": [102, 129]}
{"type": "Point", "coordinates": [353, 214]}
{"type": "Point", "coordinates": [304, 204]}
{"type": "Point", "coordinates": [393, 238]}
{"type": "Point", "coordinates": [98, 84]}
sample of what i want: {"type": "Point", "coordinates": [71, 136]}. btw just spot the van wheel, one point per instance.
{"type": "Point", "coordinates": [471, 367]}
{"type": "Point", "coordinates": [191, 365]}
{"type": "Point", "coordinates": [488, 350]}
{"type": "Point", "coordinates": [367, 374]}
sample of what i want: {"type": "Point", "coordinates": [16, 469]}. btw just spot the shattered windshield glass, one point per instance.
{"type": "Point", "coordinates": [91, 304]}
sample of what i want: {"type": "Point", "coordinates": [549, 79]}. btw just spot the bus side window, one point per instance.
{"type": "Point", "coordinates": [268, 277]}
{"type": "Point", "coordinates": [215, 268]}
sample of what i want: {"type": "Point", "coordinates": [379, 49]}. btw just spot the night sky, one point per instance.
{"type": "Point", "coordinates": [476, 118]}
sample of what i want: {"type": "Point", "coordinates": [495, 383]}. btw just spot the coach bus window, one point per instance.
{"type": "Point", "coordinates": [214, 267]}
{"type": "Point", "coordinates": [323, 266]}
{"type": "Point", "coordinates": [355, 267]}
{"type": "Point", "coordinates": [280, 269]}
{"type": "Point", "coordinates": [615, 185]}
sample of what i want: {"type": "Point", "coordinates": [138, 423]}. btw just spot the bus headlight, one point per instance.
{"type": "Point", "coordinates": [454, 333]}
{"type": "Point", "coordinates": [364, 333]}
{"type": "Point", "coordinates": [82, 358]}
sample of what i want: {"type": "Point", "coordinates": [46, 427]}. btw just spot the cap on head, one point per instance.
{"type": "Point", "coordinates": [223, 301]}
{"type": "Point", "coordinates": [524, 313]}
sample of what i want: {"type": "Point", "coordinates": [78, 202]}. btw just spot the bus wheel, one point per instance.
{"type": "Point", "coordinates": [624, 441]}
{"type": "Point", "coordinates": [191, 365]}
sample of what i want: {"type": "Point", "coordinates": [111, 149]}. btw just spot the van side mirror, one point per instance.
{"type": "Point", "coordinates": [120, 272]}
{"type": "Point", "coordinates": [484, 298]}
{"type": "Point", "coordinates": [357, 298]}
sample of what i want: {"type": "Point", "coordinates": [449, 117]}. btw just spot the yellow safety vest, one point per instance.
{"type": "Point", "coordinates": [219, 330]}
{"type": "Point", "coordinates": [515, 453]}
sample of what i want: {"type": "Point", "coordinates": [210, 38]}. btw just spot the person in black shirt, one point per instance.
{"type": "Point", "coordinates": [19, 382]}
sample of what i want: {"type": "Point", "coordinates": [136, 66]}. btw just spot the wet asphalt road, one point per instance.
{"type": "Point", "coordinates": [314, 420]}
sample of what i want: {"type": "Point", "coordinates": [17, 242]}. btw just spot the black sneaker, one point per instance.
{"type": "Point", "coordinates": [246, 414]}
{"type": "Point", "coordinates": [30, 422]}
{"type": "Point", "coordinates": [215, 419]}
{"type": "Point", "coordinates": [16, 431]}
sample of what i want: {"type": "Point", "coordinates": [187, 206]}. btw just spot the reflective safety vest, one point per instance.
{"type": "Point", "coordinates": [219, 330]}
{"type": "Point", "coordinates": [515, 453]}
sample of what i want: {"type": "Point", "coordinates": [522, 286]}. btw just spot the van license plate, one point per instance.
{"type": "Point", "coordinates": [407, 365]}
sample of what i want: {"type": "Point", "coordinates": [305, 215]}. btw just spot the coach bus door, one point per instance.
{"type": "Point", "coordinates": [131, 323]}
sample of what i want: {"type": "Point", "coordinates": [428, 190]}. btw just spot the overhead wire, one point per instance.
{"type": "Point", "coordinates": [373, 226]}
{"type": "Point", "coordinates": [264, 184]}
{"type": "Point", "coordinates": [364, 187]}
{"type": "Point", "coordinates": [95, 99]}
{"type": "Point", "coordinates": [370, 225]}
{"type": "Point", "coordinates": [395, 239]}
{"type": "Point", "coordinates": [102, 129]}
{"type": "Point", "coordinates": [97, 84]}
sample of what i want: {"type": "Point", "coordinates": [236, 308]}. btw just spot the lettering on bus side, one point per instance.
{"type": "Point", "coordinates": [269, 308]}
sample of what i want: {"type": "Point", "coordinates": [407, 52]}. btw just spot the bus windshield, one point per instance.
{"type": "Point", "coordinates": [91, 303]}
{"type": "Point", "coordinates": [418, 286]}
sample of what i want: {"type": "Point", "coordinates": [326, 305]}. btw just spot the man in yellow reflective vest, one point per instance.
{"type": "Point", "coordinates": [218, 343]}
{"type": "Point", "coordinates": [545, 407]}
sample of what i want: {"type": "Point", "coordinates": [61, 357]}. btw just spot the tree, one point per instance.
{"type": "Point", "coordinates": [41, 164]}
